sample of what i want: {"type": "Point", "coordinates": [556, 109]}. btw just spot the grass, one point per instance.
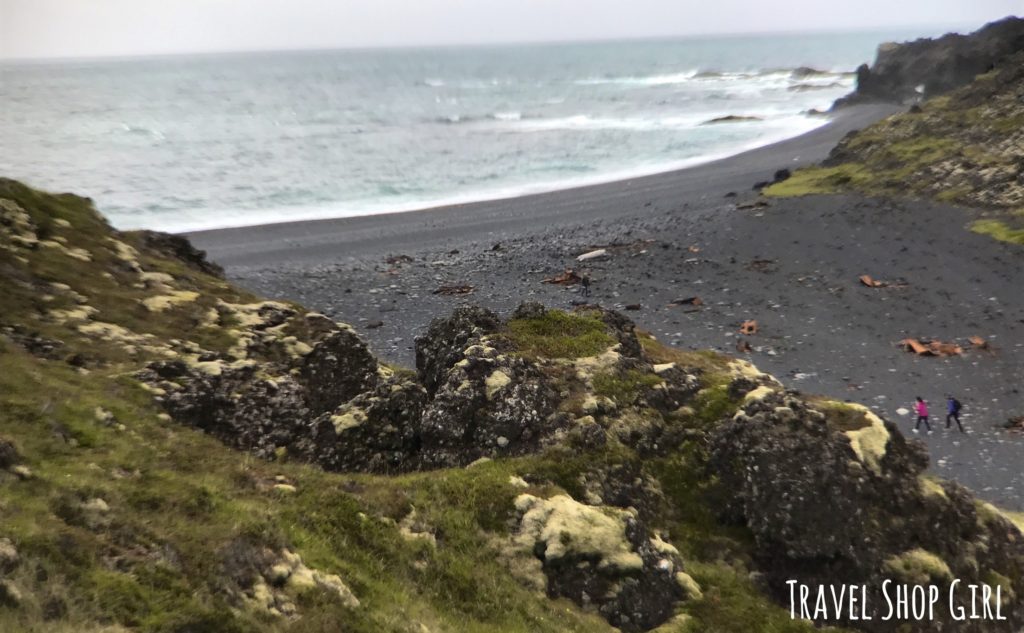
{"type": "Point", "coordinates": [998, 230]}
{"type": "Point", "coordinates": [560, 335]}
{"type": "Point", "coordinates": [822, 180]}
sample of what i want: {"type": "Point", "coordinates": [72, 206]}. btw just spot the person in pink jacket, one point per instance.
{"type": "Point", "coordinates": [921, 407]}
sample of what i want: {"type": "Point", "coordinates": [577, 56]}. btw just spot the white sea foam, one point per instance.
{"type": "Point", "coordinates": [651, 80]}
{"type": "Point", "coordinates": [205, 219]}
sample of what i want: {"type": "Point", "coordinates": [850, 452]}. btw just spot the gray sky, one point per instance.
{"type": "Point", "coordinates": [66, 28]}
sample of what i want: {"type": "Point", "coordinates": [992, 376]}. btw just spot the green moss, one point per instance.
{"type": "Point", "coordinates": [919, 567]}
{"type": "Point", "coordinates": [623, 386]}
{"type": "Point", "coordinates": [999, 230]}
{"type": "Point", "coordinates": [822, 180]}
{"type": "Point", "coordinates": [560, 335]}
{"type": "Point", "coordinates": [732, 604]}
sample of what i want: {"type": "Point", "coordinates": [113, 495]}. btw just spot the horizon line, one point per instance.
{"type": "Point", "coordinates": [455, 45]}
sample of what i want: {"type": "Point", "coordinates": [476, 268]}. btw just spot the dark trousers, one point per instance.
{"type": "Point", "coordinates": [954, 416]}
{"type": "Point", "coordinates": [920, 419]}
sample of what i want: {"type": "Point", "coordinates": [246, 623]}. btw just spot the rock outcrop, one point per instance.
{"type": "Point", "coordinates": [603, 557]}
{"type": "Point", "coordinates": [325, 399]}
{"type": "Point", "coordinates": [925, 68]}
{"type": "Point", "coordinates": [780, 457]}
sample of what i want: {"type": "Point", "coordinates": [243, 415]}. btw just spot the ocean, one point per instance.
{"type": "Point", "coordinates": [195, 142]}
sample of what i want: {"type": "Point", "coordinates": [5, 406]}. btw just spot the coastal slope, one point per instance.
{"type": "Point", "coordinates": [180, 455]}
{"type": "Point", "coordinates": [964, 148]}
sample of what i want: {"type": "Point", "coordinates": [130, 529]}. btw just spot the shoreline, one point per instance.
{"type": "Point", "coordinates": [313, 213]}
{"type": "Point", "coordinates": [279, 241]}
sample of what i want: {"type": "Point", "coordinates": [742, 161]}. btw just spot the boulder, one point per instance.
{"type": "Point", "coordinates": [441, 346]}
{"type": "Point", "coordinates": [604, 557]}
{"type": "Point", "coordinates": [779, 457]}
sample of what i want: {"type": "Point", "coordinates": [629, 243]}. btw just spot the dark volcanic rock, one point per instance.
{"type": "Point", "coordinates": [936, 66]}
{"type": "Point", "coordinates": [488, 403]}
{"type": "Point", "coordinates": [181, 249]}
{"type": "Point", "coordinates": [605, 558]}
{"type": "Point", "coordinates": [339, 368]}
{"type": "Point", "coordinates": [442, 344]}
{"type": "Point", "coordinates": [779, 458]}
{"type": "Point", "coordinates": [8, 453]}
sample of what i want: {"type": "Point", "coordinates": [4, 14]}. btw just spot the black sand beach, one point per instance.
{"type": "Point", "coordinates": [793, 266]}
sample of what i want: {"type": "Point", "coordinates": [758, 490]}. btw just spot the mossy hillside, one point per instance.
{"type": "Point", "coordinates": [962, 148]}
{"type": "Point", "coordinates": [127, 521]}
{"type": "Point", "coordinates": [175, 490]}
{"type": "Point", "coordinates": [94, 275]}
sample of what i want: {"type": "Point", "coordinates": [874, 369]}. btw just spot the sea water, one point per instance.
{"type": "Point", "coordinates": [193, 142]}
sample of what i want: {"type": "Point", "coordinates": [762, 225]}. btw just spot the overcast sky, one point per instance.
{"type": "Point", "coordinates": [65, 28]}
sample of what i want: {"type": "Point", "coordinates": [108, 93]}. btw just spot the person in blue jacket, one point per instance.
{"type": "Point", "coordinates": [953, 407]}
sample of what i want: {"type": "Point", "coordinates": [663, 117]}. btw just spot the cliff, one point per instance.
{"type": "Point", "coordinates": [179, 455]}
{"type": "Point", "coordinates": [964, 148]}
{"type": "Point", "coordinates": [912, 71]}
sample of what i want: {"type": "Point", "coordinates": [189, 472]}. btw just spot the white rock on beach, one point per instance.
{"type": "Point", "coordinates": [601, 252]}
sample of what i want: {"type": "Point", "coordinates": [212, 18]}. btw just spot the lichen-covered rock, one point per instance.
{"type": "Point", "coordinates": [339, 368]}
{"type": "Point", "coordinates": [9, 558]}
{"type": "Point", "coordinates": [268, 581]}
{"type": "Point", "coordinates": [375, 431]}
{"type": "Point", "coordinates": [442, 345]}
{"type": "Point", "coordinates": [779, 457]}
{"type": "Point", "coordinates": [488, 403]}
{"type": "Point", "coordinates": [601, 556]}
{"type": "Point", "coordinates": [269, 398]}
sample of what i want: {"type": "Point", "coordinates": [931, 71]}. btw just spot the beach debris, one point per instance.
{"type": "Point", "coordinates": [868, 281]}
{"type": "Point", "coordinates": [931, 348]}
{"type": "Point", "coordinates": [1015, 423]}
{"type": "Point", "coordinates": [979, 343]}
{"type": "Point", "coordinates": [748, 327]}
{"type": "Point", "coordinates": [459, 289]}
{"type": "Point", "coordinates": [743, 346]}
{"type": "Point", "coordinates": [567, 278]}
{"type": "Point", "coordinates": [694, 249]}
{"type": "Point", "coordinates": [394, 260]}
{"type": "Point", "coordinates": [871, 282]}
{"type": "Point", "coordinates": [687, 301]}
{"type": "Point", "coordinates": [598, 254]}
{"type": "Point", "coordinates": [763, 265]}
